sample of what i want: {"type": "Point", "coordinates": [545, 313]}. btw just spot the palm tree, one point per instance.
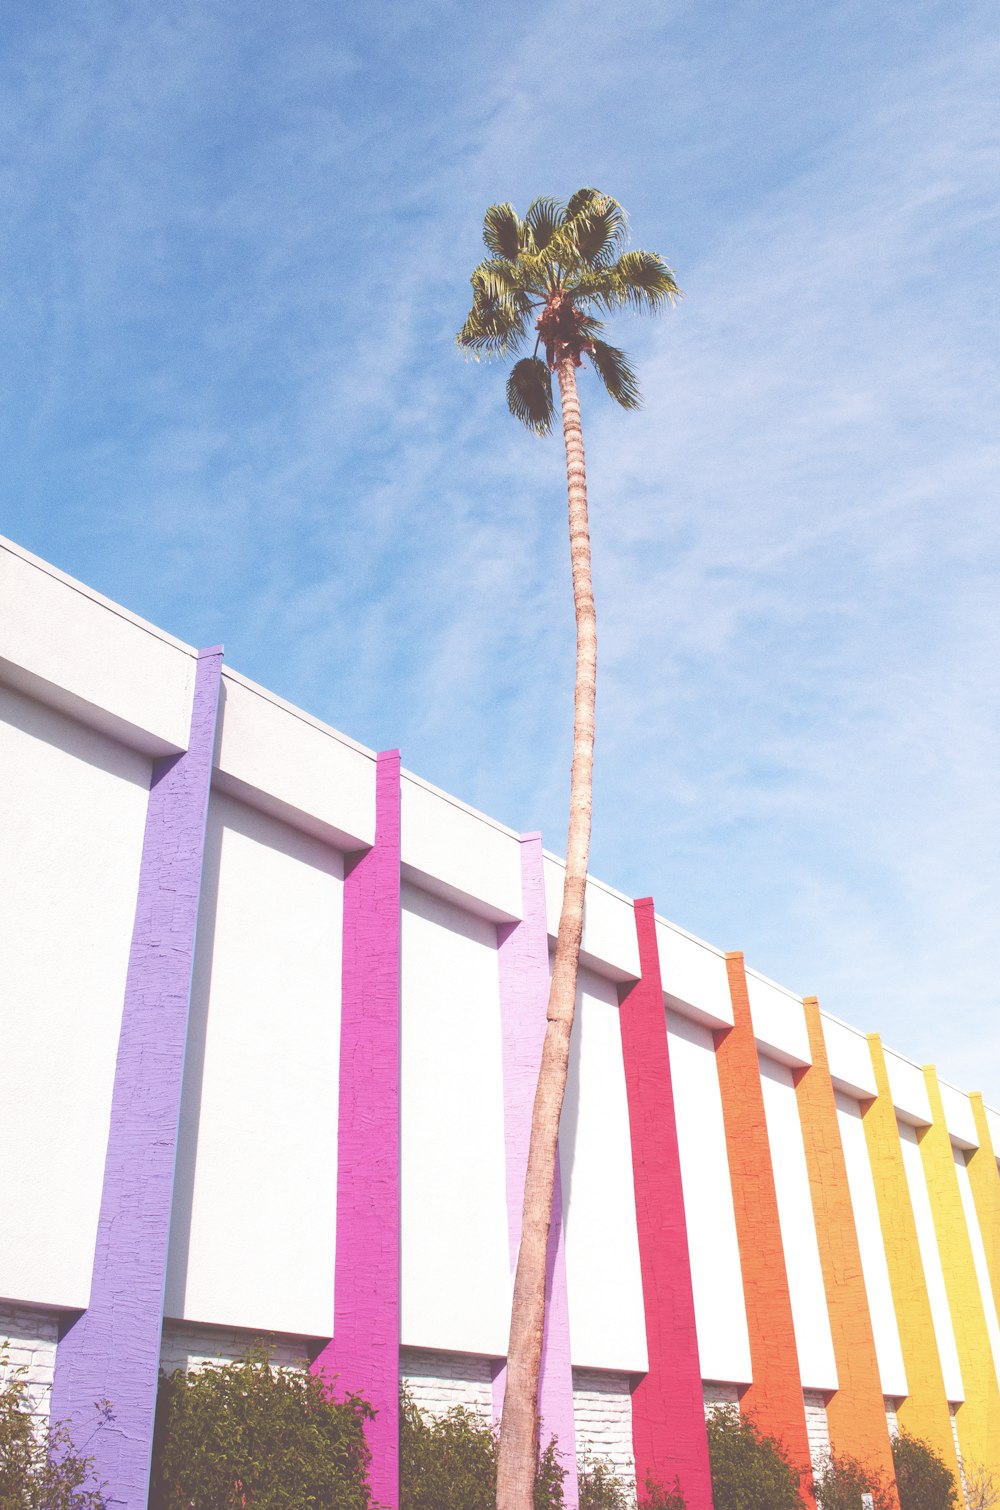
{"type": "Point", "coordinates": [547, 275]}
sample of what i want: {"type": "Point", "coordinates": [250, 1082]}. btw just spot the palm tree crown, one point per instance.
{"type": "Point", "coordinates": [547, 273]}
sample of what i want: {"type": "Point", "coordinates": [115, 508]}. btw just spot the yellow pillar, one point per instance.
{"type": "Point", "coordinates": [984, 1177]}
{"type": "Point", "coordinates": [978, 1417]}
{"type": "Point", "coordinates": [924, 1413]}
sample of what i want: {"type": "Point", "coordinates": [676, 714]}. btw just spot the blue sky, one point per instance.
{"type": "Point", "coordinates": [236, 249]}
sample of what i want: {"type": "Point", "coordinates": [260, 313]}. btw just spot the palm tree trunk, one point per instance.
{"type": "Point", "coordinates": [519, 1424]}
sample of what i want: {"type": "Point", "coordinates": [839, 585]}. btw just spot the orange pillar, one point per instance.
{"type": "Point", "coordinates": [855, 1413]}
{"type": "Point", "coordinates": [774, 1399]}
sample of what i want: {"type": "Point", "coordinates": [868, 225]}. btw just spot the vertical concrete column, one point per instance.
{"type": "Point", "coordinates": [855, 1413]}
{"type": "Point", "coordinates": [984, 1177]}
{"type": "Point", "coordinates": [668, 1413]}
{"type": "Point", "coordinates": [523, 962]}
{"type": "Point", "coordinates": [774, 1399]}
{"type": "Point", "coordinates": [924, 1413]}
{"type": "Point", "coordinates": [112, 1352]}
{"type": "Point", "coordinates": [364, 1351]}
{"type": "Point", "coordinates": [978, 1417]}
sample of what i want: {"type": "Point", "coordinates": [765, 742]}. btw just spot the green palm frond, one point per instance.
{"type": "Point", "coordinates": [494, 327]}
{"type": "Point", "coordinates": [580, 198]}
{"type": "Point", "coordinates": [502, 231]}
{"type": "Point", "coordinates": [529, 394]}
{"type": "Point", "coordinates": [590, 327]}
{"type": "Point", "coordinates": [547, 280]}
{"type": "Point", "coordinates": [600, 226]}
{"type": "Point", "coordinates": [545, 216]}
{"type": "Point", "coordinates": [498, 279]}
{"type": "Point", "coordinates": [646, 280]}
{"type": "Point", "coordinates": [617, 374]}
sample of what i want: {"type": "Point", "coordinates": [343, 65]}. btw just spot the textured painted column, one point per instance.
{"type": "Point", "coordinates": [924, 1413]}
{"type": "Point", "coordinates": [523, 959]}
{"type": "Point", "coordinates": [668, 1412]}
{"type": "Point", "coordinates": [978, 1416]}
{"type": "Point", "coordinates": [984, 1177]}
{"type": "Point", "coordinates": [774, 1399]}
{"type": "Point", "coordinates": [855, 1413]}
{"type": "Point", "coordinates": [364, 1352]}
{"type": "Point", "coordinates": [112, 1351]}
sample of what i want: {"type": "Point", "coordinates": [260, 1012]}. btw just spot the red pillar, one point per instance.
{"type": "Point", "coordinates": [668, 1414]}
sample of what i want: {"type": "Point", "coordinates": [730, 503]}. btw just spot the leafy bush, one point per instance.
{"type": "Point", "coordinates": [39, 1467]}
{"type": "Point", "coordinates": [449, 1462]}
{"type": "Point", "coordinates": [749, 1470]}
{"type": "Point", "coordinates": [602, 1489]}
{"type": "Point", "coordinates": [248, 1434]}
{"type": "Point", "coordinates": [843, 1480]}
{"type": "Point", "coordinates": [924, 1480]}
{"type": "Point", "coordinates": [981, 1489]}
{"type": "Point", "coordinates": [659, 1498]}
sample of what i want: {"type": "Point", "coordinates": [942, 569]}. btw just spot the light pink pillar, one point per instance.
{"type": "Point", "coordinates": [524, 991]}
{"type": "Point", "coordinates": [364, 1352]}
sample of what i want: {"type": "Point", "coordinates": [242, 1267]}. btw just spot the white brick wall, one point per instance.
{"type": "Point", "coordinates": [817, 1428]}
{"type": "Point", "coordinates": [28, 1337]}
{"type": "Point", "coordinates": [958, 1451]}
{"type": "Point", "coordinates": [602, 1409]}
{"type": "Point", "coordinates": [891, 1419]}
{"type": "Point", "coordinates": [438, 1381]}
{"type": "Point", "coordinates": [189, 1346]}
{"type": "Point", "coordinates": [716, 1393]}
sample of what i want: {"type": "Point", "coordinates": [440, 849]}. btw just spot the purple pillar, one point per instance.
{"type": "Point", "coordinates": [112, 1351]}
{"type": "Point", "coordinates": [524, 992]}
{"type": "Point", "coordinates": [364, 1352]}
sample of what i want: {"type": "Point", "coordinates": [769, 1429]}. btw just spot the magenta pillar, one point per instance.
{"type": "Point", "coordinates": [364, 1351]}
{"type": "Point", "coordinates": [668, 1414]}
{"type": "Point", "coordinates": [524, 992]}
{"type": "Point", "coordinates": [112, 1351]}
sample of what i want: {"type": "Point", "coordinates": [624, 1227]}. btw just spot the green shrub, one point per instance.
{"type": "Point", "coordinates": [750, 1471]}
{"type": "Point", "coordinates": [602, 1489]}
{"type": "Point", "coordinates": [659, 1498]}
{"type": "Point", "coordinates": [924, 1480]}
{"type": "Point", "coordinates": [842, 1481]}
{"type": "Point", "coordinates": [248, 1434]}
{"type": "Point", "coordinates": [39, 1467]}
{"type": "Point", "coordinates": [981, 1489]}
{"type": "Point", "coordinates": [449, 1462]}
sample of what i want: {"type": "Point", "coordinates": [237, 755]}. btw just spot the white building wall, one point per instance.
{"type": "Point", "coordinates": [72, 814]}
{"type": "Point", "coordinates": [817, 1426]}
{"type": "Point", "coordinates": [813, 1341]}
{"type": "Point", "coordinates": [455, 1263]}
{"type": "Point", "coordinates": [602, 1411]}
{"type": "Point", "coordinates": [874, 1265]}
{"type": "Point", "coordinates": [28, 1343]}
{"type": "Point", "coordinates": [63, 643]}
{"type": "Point", "coordinates": [253, 1232]}
{"type": "Point", "coordinates": [779, 1023]}
{"type": "Point", "coordinates": [606, 1318]}
{"type": "Point", "coordinates": [716, 1276]}
{"type": "Point", "coordinates": [931, 1259]}
{"type": "Point", "coordinates": [438, 1382]}
{"type": "Point", "coordinates": [190, 1346]}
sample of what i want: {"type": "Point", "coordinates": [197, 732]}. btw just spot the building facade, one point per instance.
{"type": "Point", "coordinates": [271, 1015]}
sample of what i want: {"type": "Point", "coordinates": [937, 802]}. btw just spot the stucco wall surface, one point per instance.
{"type": "Point", "coordinates": [255, 1191]}
{"type": "Point", "coordinates": [72, 812]}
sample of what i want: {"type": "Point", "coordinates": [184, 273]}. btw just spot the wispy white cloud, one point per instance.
{"type": "Point", "coordinates": [239, 249]}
